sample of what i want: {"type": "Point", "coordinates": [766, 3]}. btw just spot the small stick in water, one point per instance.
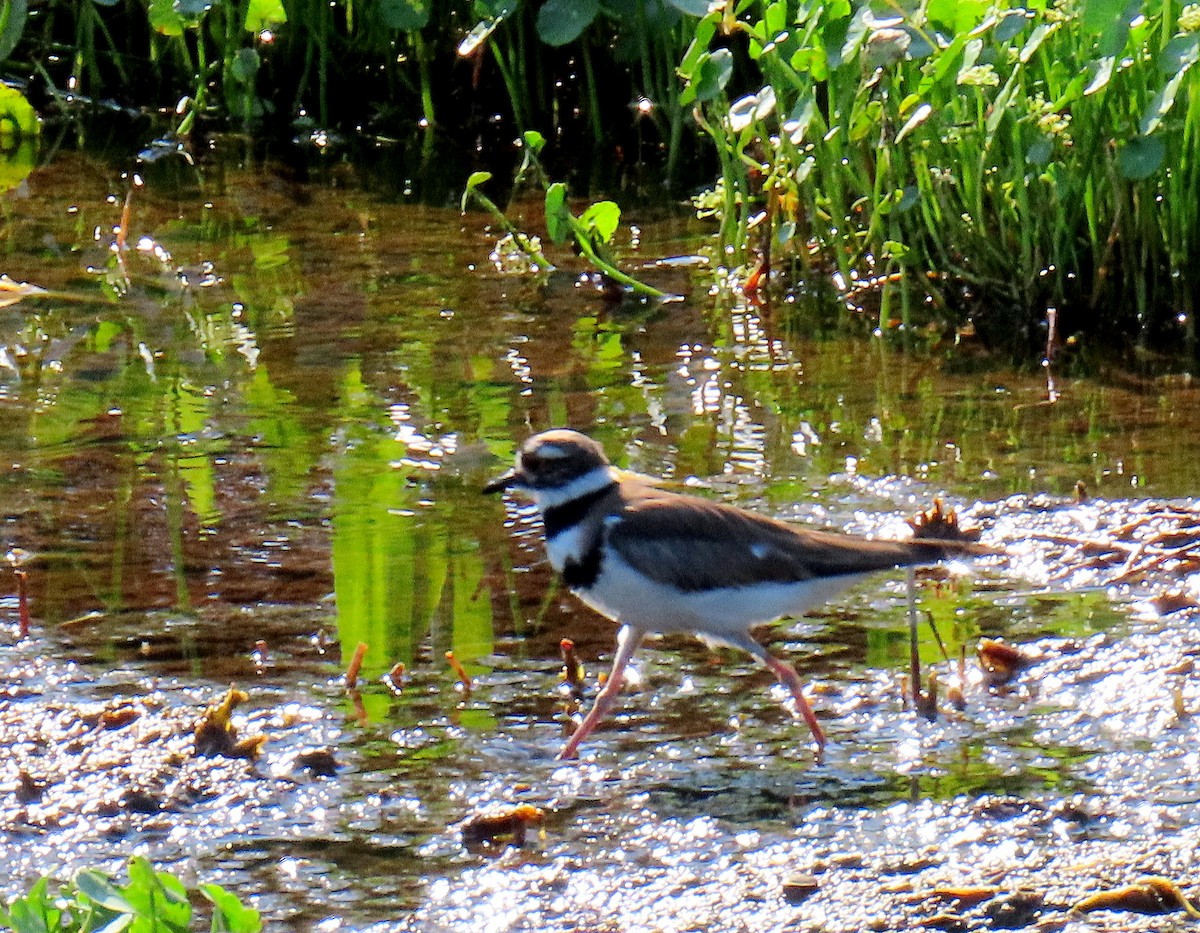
{"type": "Point", "coordinates": [23, 602]}
{"type": "Point", "coordinates": [463, 677]}
{"type": "Point", "coordinates": [355, 665]}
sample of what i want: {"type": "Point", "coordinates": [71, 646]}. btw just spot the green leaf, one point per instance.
{"type": "Point", "coordinates": [558, 215]}
{"type": "Point", "coordinates": [714, 74]}
{"type": "Point", "coordinates": [1034, 42]}
{"type": "Point", "coordinates": [1011, 22]}
{"type": "Point", "coordinates": [1110, 19]}
{"type": "Point", "coordinates": [690, 7]}
{"type": "Point", "coordinates": [799, 120]}
{"type": "Point", "coordinates": [919, 116]}
{"type": "Point", "coordinates": [17, 116]}
{"type": "Point", "coordinates": [1141, 158]}
{"type": "Point", "coordinates": [535, 142]}
{"type": "Point", "coordinates": [263, 14]}
{"type": "Point", "coordinates": [603, 217]}
{"type": "Point", "coordinates": [1102, 69]}
{"type": "Point", "coordinates": [475, 179]}
{"type": "Point", "coordinates": [229, 914]}
{"type": "Point", "coordinates": [192, 9]}
{"type": "Point", "coordinates": [494, 8]}
{"type": "Point", "coordinates": [164, 18]}
{"type": "Point", "coordinates": [701, 36]}
{"type": "Point", "coordinates": [1179, 54]}
{"type": "Point", "coordinates": [1039, 152]}
{"type": "Point", "coordinates": [478, 35]}
{"type": "Point", "coordinates": [405, 15]}
{"type": "Point", "coordinates": [960, 15]}
{"type": "Point", "coordinates": [855, 34]}
{"type": "Point", "coordinates": [1161, 104]}
{"type": "Point", "coordinates": [245, 65]}
{"type": "Point", "coordinates": [1099, 15]}
{"type": "Point", "coordinates": [563, 21]}
{"type": "Point", "coordinates": [97, 888]}
{"type": "Point", "coordinates": [752, 108]}
{"type": "Point", "coordinates": [13, 14]}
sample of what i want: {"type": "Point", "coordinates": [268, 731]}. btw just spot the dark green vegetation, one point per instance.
{"type": "Point", "coordinates": [150, 902]}
{"type": "Point", "coordinates": [1028, 171]}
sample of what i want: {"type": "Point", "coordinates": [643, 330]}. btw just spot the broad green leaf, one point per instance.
{"type": "Point", "coordinates": [262, 14]}
{"type": "Point", "coordinates": [97, 888]}
{"type": "Point", "coordinates": [474, 181]}
{"type": "Point", "coordinates": [534, 141]}
{"type": "Point", "coordinates": [799, 120]}
{"type": "Point", "coordinates": [959, 15]}
{"type": "Point", "coordinates": [701, 36]}
{"type": "Point", "coordinates": [1039, 152]}
{"type": "Point", "coordinates": [752, 108]}
{"type": "Point", "coordinates": [855, 34]}
{"type": "Point", "coordinates": [17, 116]}
{"type": "Point", "coordinates": [1179, 54]}
{"type": "Point", "coordinates": [920, 115]}
{"type": "Point", "coordinates": [230, 915]}
{"type": "Point", "coordinates": [192, 9]}
{"type": "Point", "coordinates": [405, 15]}
{"type": "Point", "coordinates": [478, 35]}
{"type": "Point", "coordinates": [164, 18]}
{"type": "Point", "coordinates": [1141, 158]}
{"type": "Point", "coordinates": [1102, 70]}
{"type": "Point", "coordinates": [1110, 19]}
{"type": "Point", "coordinates": [563, 21]}
{"type": "Point", "coordinates": [603, 217]}
{"type": "Point", "coordinates": [1161, 104]}
{"type": "Point", "coordinates": [245, 65]}
{"type": "Point", "coordinates": [13, 14]}
{"type": "Point", "coordinates": [558, 215]}
{"type": "Point", "coordinates": [1099, 15]}
{"type": "Point", "coordinates": [715, 72]}
{"type": "Point", "coordinates": [1011, 22]}
{"type": "Point", "coordinates": [1035, 40]}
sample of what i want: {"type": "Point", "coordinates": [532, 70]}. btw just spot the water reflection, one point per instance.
{"type": "Point", "coordinates": [270, 426]}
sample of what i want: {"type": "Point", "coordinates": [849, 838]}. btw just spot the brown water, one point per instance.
{"type": "Point", "coordinates": [258, 440]}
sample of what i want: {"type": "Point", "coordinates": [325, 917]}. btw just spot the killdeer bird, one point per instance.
{"type": "Point", "coordinates": [658, 561]}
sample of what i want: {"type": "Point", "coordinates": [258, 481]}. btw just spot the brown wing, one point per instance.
{"type": "Point", "coordinates": [695, 544]}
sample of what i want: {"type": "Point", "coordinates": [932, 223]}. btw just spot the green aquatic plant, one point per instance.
{"type": "Point", "coordinates": [1019, 156]}
{"type": "Point", "coordinates": [591, 232]}
{"type": "Point", "coordinates": [150, 901]}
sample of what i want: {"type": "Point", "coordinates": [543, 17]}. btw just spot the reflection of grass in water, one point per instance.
{"type": "Point", "coordinates": [725, 789]}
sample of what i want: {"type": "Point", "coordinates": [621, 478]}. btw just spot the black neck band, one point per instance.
{"type": "Point", "coordinates": [559, 518]}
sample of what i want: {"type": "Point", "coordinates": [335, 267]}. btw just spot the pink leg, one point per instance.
{"type": "Point", "coordinates": [788, 677]}
{"type": "Point", "coordinates": [628, 639]}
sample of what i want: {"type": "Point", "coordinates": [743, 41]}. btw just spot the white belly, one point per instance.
{"type": "Point", "coordinates": [630, 598]}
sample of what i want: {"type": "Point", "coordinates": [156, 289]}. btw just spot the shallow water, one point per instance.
{"type": "Point", "coordinates": [257, 441]}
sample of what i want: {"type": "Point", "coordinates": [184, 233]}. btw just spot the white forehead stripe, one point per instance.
{"type": "Point", "coordinates": [550, 452]}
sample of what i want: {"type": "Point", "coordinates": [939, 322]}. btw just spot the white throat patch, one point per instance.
{"type": "Point", "coordinates": [580, 486]}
